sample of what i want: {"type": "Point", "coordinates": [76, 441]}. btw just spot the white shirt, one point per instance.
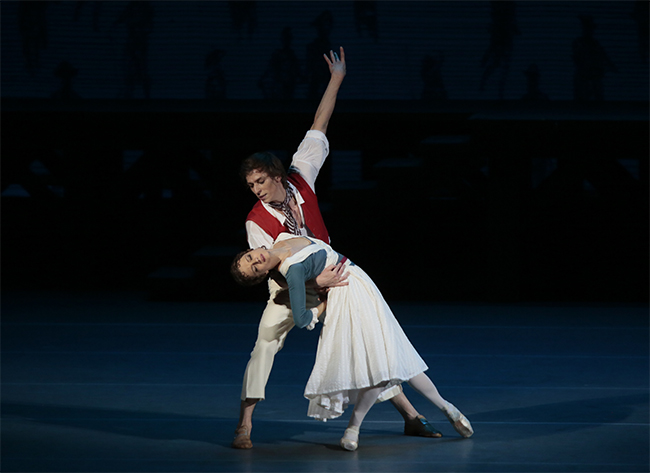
{"type": "Point", "coordinates": [307, 161]}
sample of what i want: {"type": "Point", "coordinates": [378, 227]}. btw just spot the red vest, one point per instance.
{"type": "Point", "coordinates": [310, 210]}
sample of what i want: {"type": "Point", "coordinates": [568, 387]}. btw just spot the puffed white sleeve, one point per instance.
{"type": "Point", "coordinates": [256, 236]}
{"type": "Point", "coordinates": [311, 155]}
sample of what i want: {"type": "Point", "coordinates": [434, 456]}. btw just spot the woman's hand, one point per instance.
{"type": "Point", "coordinates": [336, 63]}
{"type": "Point", "coordinates": [332, 276]}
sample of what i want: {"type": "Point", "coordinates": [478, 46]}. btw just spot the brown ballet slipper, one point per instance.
{"type": "Point", "coordinates": [420, 427]}
{"type": "Point", "coordinates": [242, 438]}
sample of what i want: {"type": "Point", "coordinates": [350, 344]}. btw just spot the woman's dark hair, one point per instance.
{"type": "Point", "coordinates": [240, 277]}
{"type": "Point", "coordinates": [264, 162]}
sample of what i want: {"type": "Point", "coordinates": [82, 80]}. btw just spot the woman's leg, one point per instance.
{"type": "Point", "coordinates": [365, 400]}
{"type": "Point", "coordinates": [424, 386]}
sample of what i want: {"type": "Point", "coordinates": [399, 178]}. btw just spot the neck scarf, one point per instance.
{"type": "Point", "coordinates": [290, 221]}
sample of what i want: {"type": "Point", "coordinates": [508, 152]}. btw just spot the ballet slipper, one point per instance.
{"type": "Point", "coordinates": [242, 439]}
{"type": "Point", "coordinates": [458, 420]}
{"type": "Point", "coordinates": [350, 440]}
{"type": "Point", "coordinates": [420, 427]}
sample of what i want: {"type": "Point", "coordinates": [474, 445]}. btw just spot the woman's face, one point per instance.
{"type": "Point", "coordinates": [256, 262]}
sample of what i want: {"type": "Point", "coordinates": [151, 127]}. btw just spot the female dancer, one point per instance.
{"type": "Point", "coordinates": [362, 352]}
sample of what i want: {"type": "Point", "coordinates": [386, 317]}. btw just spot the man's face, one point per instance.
{"type": "Point", "coordinates": [267, 189]}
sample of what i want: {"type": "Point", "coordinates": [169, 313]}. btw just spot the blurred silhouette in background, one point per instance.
{"type": "Point", "coordinates": [138, 18]}
{"type": "Point", "coordinates": [591, 63]}
{"type": "Point", "coordinates": [32, 23]}
{"type": "Point", "coordinates": [533, 91]}
{"type": "Point", "coordinates": [215, 83]}
{"type": "Point", "coordinates": [96, 12]}
{"type": "Point", "coordinates": [433, 88]}
{"type": "Point", "coordinates": [365, 18]}
{"type": "Point", "coordinates": [279, 80]}
{"type": "Point", "coordinates": [66, 73]}
{"type": "Point", "coordinates": [498, 55]}
{"type": "Point", "coordinates": [317, 72]}
{"type": "Point", "coordinates": [243, 14]}
{"type": "Point", "coordinates": [641, 16]}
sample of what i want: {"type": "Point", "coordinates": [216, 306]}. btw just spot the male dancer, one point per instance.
{"type": "Point", "coordinates": [288, 203]}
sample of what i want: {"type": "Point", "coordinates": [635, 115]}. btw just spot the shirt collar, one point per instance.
{"type": "Point", "coordinates": [279, 215]}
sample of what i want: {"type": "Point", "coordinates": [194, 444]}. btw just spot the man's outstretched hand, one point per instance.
{"type": "Point", "coordinates": [336, 63]}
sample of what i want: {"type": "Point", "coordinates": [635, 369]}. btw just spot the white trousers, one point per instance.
{"type": "Point", "coordinates": [275, 324]}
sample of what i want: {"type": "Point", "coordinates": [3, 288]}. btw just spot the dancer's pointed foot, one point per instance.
{"type": "Point", "coordinates": [458, 420]}
{"type": "Point", "coordinates": [242, 438]}
{"type": "Point", "coordinates": [420, 427]}
{"type": "Point", "coordinates": [350, 440]}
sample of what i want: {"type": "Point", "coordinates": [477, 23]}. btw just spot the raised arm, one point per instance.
{"type": "Point", "coordinates": [326, 106]}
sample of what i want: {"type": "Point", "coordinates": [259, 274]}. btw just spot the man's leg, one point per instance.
{"type": "Point", "coordinates": [275, 324]}
{"type": "Point", "coordinates": [246, 413]}
{"type": "Point", "coordinates": [243, 431]}
{"type": "Point", "coordinates": [414, 423]}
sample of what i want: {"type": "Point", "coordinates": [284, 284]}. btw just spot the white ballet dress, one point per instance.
{"type": "Point", "coordinates": [361, 343]}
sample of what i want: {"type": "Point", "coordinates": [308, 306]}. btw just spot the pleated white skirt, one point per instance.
{"type": "Point", "coordinates": [361, 345]}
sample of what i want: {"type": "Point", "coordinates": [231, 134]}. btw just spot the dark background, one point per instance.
{"type": "Point", "coordinates": [480, 151]}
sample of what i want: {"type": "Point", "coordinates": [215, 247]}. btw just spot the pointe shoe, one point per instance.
{"type": "Point", "coordinates": [458, 420]}
{"type": "Point", "coordinates": [350, 440]}
{"type": "Point", "coordinates": [420, 427]}
{"type": "Point", "coordinates": [242, 439]}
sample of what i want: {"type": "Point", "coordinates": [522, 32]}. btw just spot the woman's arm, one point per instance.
{"type": "Point", "coordinates": [295, 277]}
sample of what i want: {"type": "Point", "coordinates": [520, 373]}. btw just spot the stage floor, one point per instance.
{"type": "Point", "coordinates": [113, 382]}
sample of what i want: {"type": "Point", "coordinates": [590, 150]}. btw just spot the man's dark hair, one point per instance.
{"type": "Point", "coordinates": [240, 277]}
{"type": "Point", "coordinates": [264, 162]}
